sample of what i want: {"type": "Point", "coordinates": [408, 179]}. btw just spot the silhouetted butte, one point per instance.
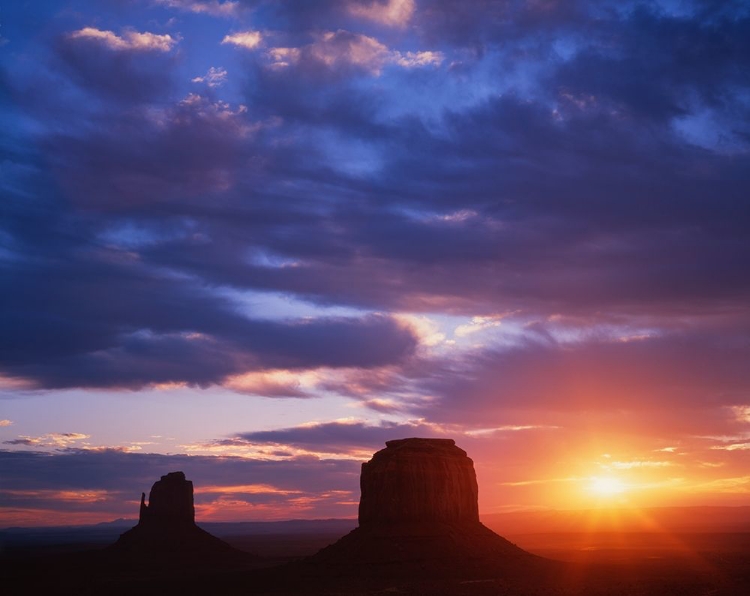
{"type": "Point", "coordinates": [418, 511]}
{"type": "Point", "coordinates": [166, 527]}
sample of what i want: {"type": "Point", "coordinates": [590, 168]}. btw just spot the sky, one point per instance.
{"type": "Point", "coordinates": [252, 240]}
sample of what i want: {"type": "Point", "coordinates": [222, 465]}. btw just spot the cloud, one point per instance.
{"type": "Point", "coordinates": [478, 324]}
{"type": "Point", "coordinates": [215, 8]}
{"type": "Point", "coordinates": [356, 382]}
{"type": "Point", "coordinates": [130, 152]}
{"type": "Point", "coordinates": [129, 41]}
{"type": "Point", "coordinates": [244, 39]}
{"type": "Point", "coordinates": [55, 496]}
{"type": "Point", "coordinates": [347, 436]}
{"type": "Point", "coordinates": [352, 439]}
{"type": "Point", "coordinates": [57, 440]}
{"type": "Point", "coordinates": [393, 13]}
{"type": "Point", "coordinates": [733, 447]}
{"type": "Point", "coordinates": [200, 107]}
{"type": "Point", "coordinates": [198, 347]}
{"type": "Point", "coordinates": [6, 423]}
{"type": "Point", "coordinates": [356, 439]}
{"type": "Point", "coordinates": [540, 243]}
{"type": "Point", "coordinates": [247, 489]}
{"type": "Point", "coordinates": [156, 326]}
{"type": "Point", "coordinates": [279, 382]}
{"type": "Point", "coordinates": [626, 74]}
{"type": "Point", "coordinates": [137, 70]}
{"type": "Point", "coordinates": [426, 329]}
{"type": "Point", "coordinates": [343, 49]}
{"type": "Point", "coordinates": [284, 57]}
{"type": "Point", "coordinates": [418, 59]}
{"type": "Point", "coordinates": [627, 465]}
{"type": "Point", "coordinates": [742, 413]}
{"type": "Point", "coordinates": [333, 51]}
{"type": "Point", "coordinates": [215, 77]}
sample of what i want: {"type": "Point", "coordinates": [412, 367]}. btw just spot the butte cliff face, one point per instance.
{"type": "Point", "coordinates": [418, 514]}
{"type": "Point", "coordinates": [170, 501]}
{"type": "Point", "coordinates": [418, 481]}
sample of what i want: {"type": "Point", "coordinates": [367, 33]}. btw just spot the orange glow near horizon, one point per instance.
{"type": "Point", "coordinates": [564, 469]}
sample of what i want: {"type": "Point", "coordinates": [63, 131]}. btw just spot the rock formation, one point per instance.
{"type": "Point", "coordinates": [166, 530]}
{"type": "Point", "coordinates": [170, 501]}
{"type": "Point", "coordinates": [418, 513]}
{"type": "Point", "coordinates": [418, 480]}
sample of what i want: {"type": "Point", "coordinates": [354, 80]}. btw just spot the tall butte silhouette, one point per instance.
{"type": "Point", "coordinates": [166, 527]}
{"type": "Point", "coordinates": [419, 511]}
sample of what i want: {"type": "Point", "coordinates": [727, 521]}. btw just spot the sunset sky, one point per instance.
{"type": "Point", "coordinates": [253, 240]}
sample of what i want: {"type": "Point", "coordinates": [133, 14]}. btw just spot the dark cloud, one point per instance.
{"type": "Point", "coordinates": [538, 195]}
{"type": "Point", "coordinates": [119, 76]}
{"type": "Point", "coordinates": [27, 442]}
{"type": "Point", "coordinates": [83, 313]}
{"type": "Point", "coordinates": [113, 324]}
{"type": "Point", "coordinates": [659, 67]}
{"type": "Point", "coordinates": [140, 160]}
{"type": "Point", "coordinates": [336, 437]}
{"type": "Point", "coordinates": [479, 23]}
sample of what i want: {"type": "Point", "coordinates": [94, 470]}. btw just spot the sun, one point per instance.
{"type": "Point", "coordinates": [606, 486]}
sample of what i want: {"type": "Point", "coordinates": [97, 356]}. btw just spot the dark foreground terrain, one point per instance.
{"type": "Point", "coordinates": [603, 563]}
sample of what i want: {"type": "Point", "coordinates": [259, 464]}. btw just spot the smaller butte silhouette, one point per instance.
{"type": "Point", "coordinates": [419, 511]}
{"type": "Point", "coordinates": [166, 527]}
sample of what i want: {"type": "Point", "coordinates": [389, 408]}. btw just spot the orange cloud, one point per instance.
{"type": "Point", "coordinates": [7, 382]}
{"type": "Point", "coordinates": [87, 496]}
{"type": "Point", "coordinates": [246, 489]}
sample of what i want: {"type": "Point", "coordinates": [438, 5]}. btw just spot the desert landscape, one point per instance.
{"type": "Point", "coordinates": [377, 297]}
{"type": "Point", "coordinates": [418, 532]}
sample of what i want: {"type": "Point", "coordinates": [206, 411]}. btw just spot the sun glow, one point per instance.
{"type": "Point", "coordinates": [606, 486]}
